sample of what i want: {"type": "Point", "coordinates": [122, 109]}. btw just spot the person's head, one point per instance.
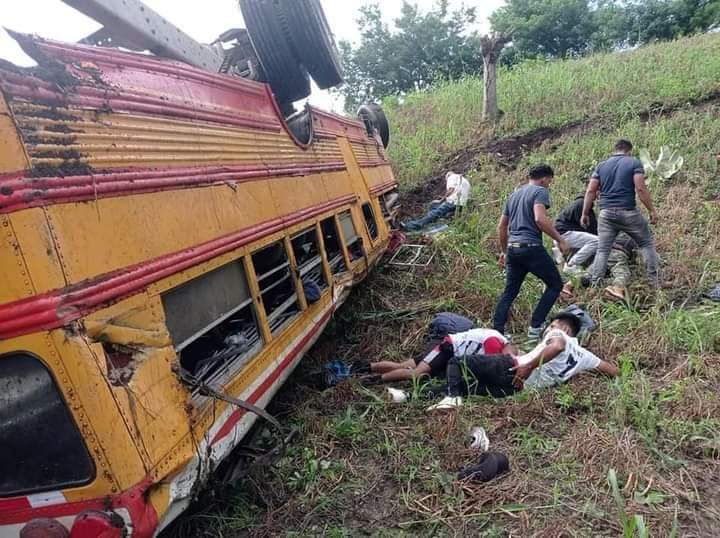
{"type": "Point", "coordinates": [541, 174]}
{"type": "Point", "coordinates": [623, 146]}
{"type": "Point", "coordinates": [568, 323]}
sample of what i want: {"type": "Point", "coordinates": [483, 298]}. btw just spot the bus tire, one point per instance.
{"type": "Point", "coordinates": [313, 41]}
{"type": "Point", "coordinates": [287, 77]}
{"type": "Point", "coordinates": [374, 114]}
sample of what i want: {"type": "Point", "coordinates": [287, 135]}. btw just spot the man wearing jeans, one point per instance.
{"type": "Point", "coordinates": [617, 180]}
{"type": "Point", "coordinates": [457, 192]}
{"type": "Point", "coordinates": [520, 230]}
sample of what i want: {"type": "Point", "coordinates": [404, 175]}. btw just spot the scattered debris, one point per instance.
{"type": "Point", "coordinates": [479, 439]}
{"type": "Point", "coordinates": [490, 465]}
{"type": "Point", "coordinates": [335, 372]}
{"type": "Point", "coordinates": [714, 294]}
{"type": "Point", "coordinates": [412, 256]}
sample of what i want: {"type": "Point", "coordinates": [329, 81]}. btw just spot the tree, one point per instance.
{"type": "Point", "coordinates": [491, 46]}
{"type": "Point", "coordinates": [546, 28]}
{"type": "Point", "coordinates": [420, 49]}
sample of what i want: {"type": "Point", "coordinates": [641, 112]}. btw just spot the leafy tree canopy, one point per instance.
{"type": "Point", "coordinates": [419, 49]}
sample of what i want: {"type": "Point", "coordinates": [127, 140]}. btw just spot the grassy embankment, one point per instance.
{"type": "Point", "coordinates": [365, 467]}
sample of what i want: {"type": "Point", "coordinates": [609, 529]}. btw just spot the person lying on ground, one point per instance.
{"type": "Point", "coordinates": [520, 230]}
{"type": "Point", "coordinates": [457, 193]}
{"type": "Point", "coordinates": [555, 360]}
{"type": "Point", "coordinates": [582, 241]}
{"type": "Point", "coordinates": [621, 256]}
{"type": "Point", "coordinates": [434, 363]}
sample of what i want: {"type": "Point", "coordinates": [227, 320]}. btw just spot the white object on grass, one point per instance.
{"type": "Point", "coordinates": [397, 395]}
{"type": "Point", "coordinates": [668, 163]}
{"type": "Point", "coordinates": [446, 404]}
{"type": "Point", "coordinates": [479, 439]}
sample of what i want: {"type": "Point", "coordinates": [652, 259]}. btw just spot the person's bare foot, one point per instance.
{"type": "Point", "coordinates": [568, 292]}
{"type": "Point", "coordinates": [616, 293]}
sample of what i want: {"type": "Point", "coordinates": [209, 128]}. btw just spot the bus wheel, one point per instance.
{"type": "Point", "coordinates": [287, 77]}
{"type": "Point", "coordinates": [373, 116]}
{"type": "Point", "coordinates": [314, 44]}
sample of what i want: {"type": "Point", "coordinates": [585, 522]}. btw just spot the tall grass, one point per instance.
{"type": "Point", "coordinates": [430, 125]}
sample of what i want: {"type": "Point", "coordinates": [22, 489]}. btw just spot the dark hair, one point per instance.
{"type": "Point", "coordinates": [623, 145]}
{"type": "Point", "coordinates": [540, 171]}
{"type": "Point", "coordinates": [570, 319]}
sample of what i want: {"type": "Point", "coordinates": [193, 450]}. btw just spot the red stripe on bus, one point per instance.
{"type": "Point", "coordinates": [235, 417]}
{"type": "Point", "coordinates": [388, 185]}
{"type": "Point", "coordinates": [19, 192]}
{"type": "Point", "coordinates": [59, 307]}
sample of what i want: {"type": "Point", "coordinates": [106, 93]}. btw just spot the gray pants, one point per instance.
{"type": "Point", "coordinates": [613, 221]}
{"type": "Point", "coordinates": [584, 243]}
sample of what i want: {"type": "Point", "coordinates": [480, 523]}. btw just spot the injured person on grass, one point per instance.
{"type": "Point", "coordinates": [555, 360]}
{"type": "Point", "coordinates": [435, 362]}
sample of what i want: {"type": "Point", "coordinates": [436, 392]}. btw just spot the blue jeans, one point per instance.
{"type": "Point", "coordinates": [440, 211]}
{"type": "Point", "coordinates": [520, 262]}
{"type": "Point", "coordinates": [631, 221]}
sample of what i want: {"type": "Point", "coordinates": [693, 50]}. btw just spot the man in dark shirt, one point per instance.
{"type": "Point", "coordinates": [520, 230]}
{"type": "Point", "coordinates": [583, 242]}
{"type": "Point", "coordinates": [617, 180]}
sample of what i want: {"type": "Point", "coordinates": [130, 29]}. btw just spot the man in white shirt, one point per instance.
{"type": "Point", "coordinates": [457, 193]}
{"type": "Point", "coordinates": [435, 362]}
{"type": "Point", "coordinates": [553, 361]}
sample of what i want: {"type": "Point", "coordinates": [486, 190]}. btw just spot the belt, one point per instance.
{"type": "Point", "coordinates": [524, 245]}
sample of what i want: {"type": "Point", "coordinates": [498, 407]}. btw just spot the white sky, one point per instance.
{"type": "Point", "coordinates": [203, 21]}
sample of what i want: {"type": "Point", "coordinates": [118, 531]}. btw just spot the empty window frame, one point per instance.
{"type": "Point", "coordinates": [309, 261]}
{"type": "Point", "coordinates": [277, 286]}
{"type": "Point", "coordinates": [353, 243]}
{"type": "Point", "coordinates": [333, 251]}
{"type": "Point", "coordinates": [370, 221]}
{"type": "Point", "coordinates": [213, 323]}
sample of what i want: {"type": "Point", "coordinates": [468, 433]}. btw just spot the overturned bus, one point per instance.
{"type": "Point", "coordinates": [173, 238]}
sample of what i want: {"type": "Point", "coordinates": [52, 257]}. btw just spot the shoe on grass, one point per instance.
{"type": "Point", "coordinates": [448, 403]}
{"type": "Point", "coordinates": [397, 395]}
{"type": "Point", "coordinates": [616, 293]}
{"type": "Point", "coordinates": [534, 333]}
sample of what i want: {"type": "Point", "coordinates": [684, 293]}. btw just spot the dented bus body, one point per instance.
{"type": "Point", "coordinates": [156, 219]}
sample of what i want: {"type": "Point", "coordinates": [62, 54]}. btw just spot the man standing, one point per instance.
{"type": "Point", "coordinates": [457, 193]}
{"type": "Point", "coordinates": [617, 180]}
{"type": "Point", "coordinates": [583, 241]}
{"type": "Point", "coordinates": [520, 230]}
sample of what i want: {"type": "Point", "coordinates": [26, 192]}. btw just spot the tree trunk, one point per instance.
{"type": "Point", "coordinates": [490, 106]}
{"type": "Point", "coordinates": [492, 46]}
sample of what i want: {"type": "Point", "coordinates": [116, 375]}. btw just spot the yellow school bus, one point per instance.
{"type": "Point", "coordinates": [159, 223]}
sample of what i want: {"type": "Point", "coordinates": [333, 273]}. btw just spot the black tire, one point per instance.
{"type": "Point", "coordinates": [287, 77]}
{"type": "Point", "coordinates": [373, 114]}
{"type": "Point", "coordinates": [313, 41]}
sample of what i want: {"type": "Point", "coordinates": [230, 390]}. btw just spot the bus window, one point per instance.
{"type": "Point", "coordinates": [277, 287]}
{"type": "Point", "coordinates": [213, 324]}
{"type": "Point", "coordinates": [332, 246]}
{"type": "Point", "coordinates": [370, 220]}
{"type": "Point", "coordinates": [352, 239]}
{"type": "Point", "coordinates": [42, 449]}
{"type": "Point", "coordinates": [307, 256]}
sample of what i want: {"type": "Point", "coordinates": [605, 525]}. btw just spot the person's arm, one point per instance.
{"type": "Point", "coordinates": [502, 231]}
{"type": "Point", "coordinates": [608, 368]}
{"type": "Point", "coordinates": [543, 352]}
{"type": "Point", "coordinates": [546, 225]}
{"type": "Point", "coordinates": [644, 195]}
{"type": "Point", "coordinates": [590, 197]}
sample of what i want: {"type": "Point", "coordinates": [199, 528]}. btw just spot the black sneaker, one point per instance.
{"type": "Point", "coordinates": [585, 281]}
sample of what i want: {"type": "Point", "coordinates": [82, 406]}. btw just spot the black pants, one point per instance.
{"type": "Point", "coordinates": [482, 375]}
{"type": "Point", "coordinates": [520, 262]}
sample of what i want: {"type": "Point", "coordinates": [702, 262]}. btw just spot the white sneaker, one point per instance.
{"type": "Point", "coordinates": [446, 404]}
{"type": "Point", "coordinates": [397, 395]}
{"type": "Point", "coordinates": [572, 270]}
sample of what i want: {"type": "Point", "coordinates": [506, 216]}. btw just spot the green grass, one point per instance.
{"type": "Point", "coordinates": [430, 125]}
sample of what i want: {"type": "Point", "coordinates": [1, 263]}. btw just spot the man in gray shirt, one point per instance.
{"type": "Point", "coordinates": [617, 180]}
{"type": "Point", "coordinates": [520, 230]}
